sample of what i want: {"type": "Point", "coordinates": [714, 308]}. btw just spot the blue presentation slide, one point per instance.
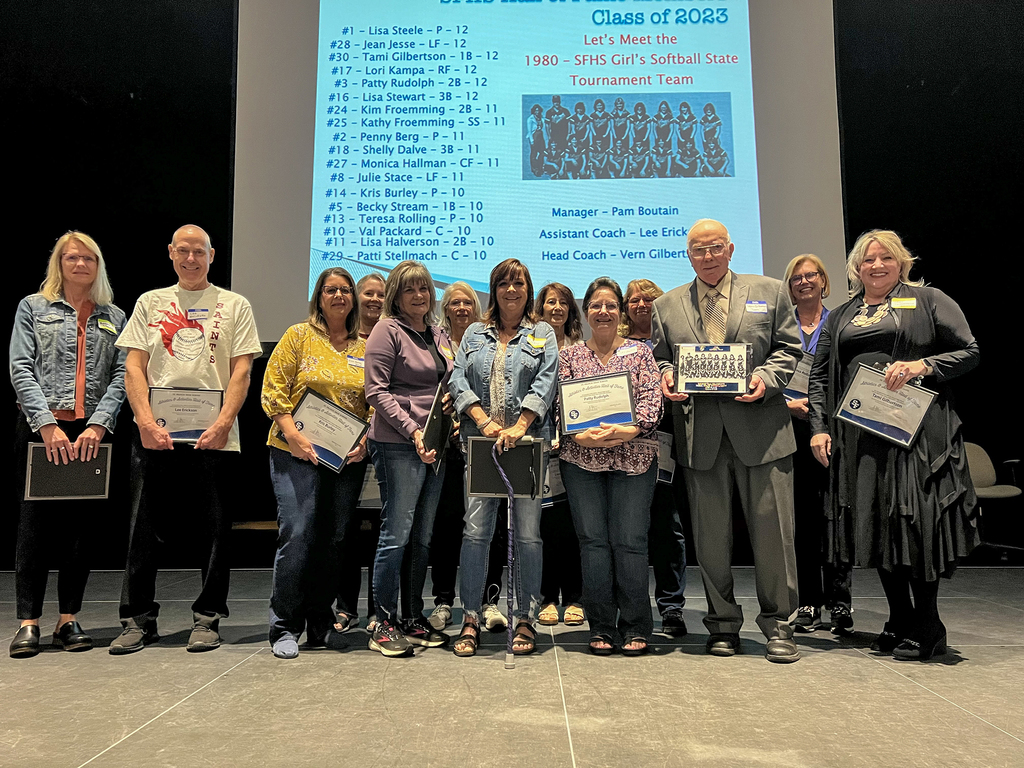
{"type": "Point", "coordinates": [583, 138]}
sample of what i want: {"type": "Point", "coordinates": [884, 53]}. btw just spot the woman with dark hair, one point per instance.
{"type": "Point", "coordinates": [710, 125]}
{"type": "Point", "coordinates": [687, 160]}
{"type": "Point", "coordinates": [621, 122]}
{"type": "Point", "coordinates": [909, 512]}
{"type": "Point", "coordinates": [315, 505]}
{"type": "Point", "coordinates": [69, 380]}
{"type": "Point", "coordinates": [562, 569]}
{"type": "Point", "coordinates": [579, 126]}
{"type": "Point", "coordinates": [407, 357]}
{"type": "Point", "coordinates": [504, 386]}
{"type": "Point", "coordinates": [664, 123]}
{"type": "Point", "coordinates": [601, 126]}
{"type": "Point", "coordinates": [715, 160]}
{"type": "Point", "coordinates": [609, 472]}
{"type": "Point", "coordinates": [640, 128]}
{"type": "Point", "coordinates": [686, 124]}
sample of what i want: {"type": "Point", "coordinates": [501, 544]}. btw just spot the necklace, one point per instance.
{"type": "Point", "coordinates": [861, 319]}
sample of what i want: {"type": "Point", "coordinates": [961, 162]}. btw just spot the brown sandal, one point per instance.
{"type": "Point", "coordinates": [525, 640]}
{"type": "Point", "coordinates": [469, 640]}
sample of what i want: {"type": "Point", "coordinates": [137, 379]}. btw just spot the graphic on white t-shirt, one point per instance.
{"type": "Point", "coordinates": [183, 338]}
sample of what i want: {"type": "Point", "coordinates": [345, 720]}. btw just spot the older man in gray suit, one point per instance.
{"type": "Point", "coordinates": [746, 441]}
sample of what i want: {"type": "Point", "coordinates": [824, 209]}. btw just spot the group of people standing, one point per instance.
{"type": "Point", "coordinates": [379, 349]}
{"type": "Point", "coordinates": [625, 145]}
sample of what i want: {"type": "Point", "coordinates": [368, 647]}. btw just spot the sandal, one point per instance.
{"type": "Point", "coordinates": [601, 645]}
{"type": "Point", "coordinates": [548, 615]}
{"type": "Point", "coordinates": [574, 616]}
{"type": "Point", "coordinates": [468, 640]}
{"type": "Point", "coordinates": [525, 640]}
{"type": "Point", "coordinates": [640, 643]}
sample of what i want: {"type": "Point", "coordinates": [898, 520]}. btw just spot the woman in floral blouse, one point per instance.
{"type": "Point", "coordinates": [315, 505]}
{"type": "Point", "coordinates": [609, 474]}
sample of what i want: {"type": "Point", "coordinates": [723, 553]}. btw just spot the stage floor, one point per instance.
{"type": "Point", "coordinates": [840, 705]}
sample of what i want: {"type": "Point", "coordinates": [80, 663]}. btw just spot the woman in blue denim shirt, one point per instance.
{"type": "Point", "coordinates": [69, 380]}
{"type": "Point", "coordinates": [504, 385]}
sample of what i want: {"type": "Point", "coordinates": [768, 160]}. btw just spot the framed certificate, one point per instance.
{"type": "Point", "coordinates": [331, 429]}
{"type": "Point", "coordinates": [797, 387]}
{"type": "Point", "coordinates": [713, 369]}
{"type": "Point", "coordinates": [596, 400]}
{"type": "Point", "coordinates": [46, 481]}
{"type": "Point", "coordinates": [185, 413]}
{"type": "Point", "coordinates": [893, 415]}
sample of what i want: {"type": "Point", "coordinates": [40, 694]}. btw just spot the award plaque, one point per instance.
{"type": "Point", "coordinates": [185, 413]}
{"type": "Point", "coordinates": [798, 385]}
{"type": "Point", "coordinates": [523, 465]}
{"type": "Point", "coordinates": [438, 428]}
{"type": "Point", "coordinates": [713, 369]}
{"type": "Point", "coordinates": [596, 400]}
{"type": "Point", "coordinates": [77, 479]}
{"type": "Point", "coordinates": [331, 429]}
{"type": "Point", "coordinates": [893, 415]}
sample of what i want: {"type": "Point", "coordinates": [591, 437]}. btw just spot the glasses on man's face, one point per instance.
{"type": "Point", "coordinates": [810, 277]}
{"type": "Point", "coordinates": [703, 251]}
{"type": "Point", "coordinates": [603, 306]}
{"type": "Point", "coordinates": [331, 290]}
{"type": "Point", "coordinates": [183, 253]}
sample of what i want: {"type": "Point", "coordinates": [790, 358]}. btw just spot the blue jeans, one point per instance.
{"type": "Point", "coordinates": [409, 492]}
{"type": "Point", "coordinates": [314, 507]}
{"type": "Point", "coordinates": [612, 513]}
{"type": "Point", "coordinates": [481, 516]}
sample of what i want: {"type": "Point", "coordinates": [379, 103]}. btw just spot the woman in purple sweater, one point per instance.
{"type": "Point", "coordinates": [407, 356]}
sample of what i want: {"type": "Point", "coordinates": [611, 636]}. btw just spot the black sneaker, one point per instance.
{"type": "Point", "coordinates": [134, 637]}
{"type": "Point", "coordinates": [387, 639]}
{"type": "Point", "coordinates": [419, 632]}
{"type": "Point", "coordinates": [672, 624]}
{"type": "Point", "coordinates": [808, 619]}
{"type": "Point", "coordinates": [842, 620]}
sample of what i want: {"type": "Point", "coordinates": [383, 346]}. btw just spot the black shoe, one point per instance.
{"type": "Point", "coordinates": [924, 644]}
{"type": "Point", "coordinates": [26, 642]}
{"type": "Point", "coordinates": [672, 624]}
{"type": "Point", "coordinates": [890, 636]}
{"type": "Point", "coordinates": [419, 632]}
{"type": "Point", "coordinates": [841, 620]}
{"type": "Point", "coordinates": [134, 637]}
{"type": "Point", "coordinates": [782, 650]}
{"type": "Point", "coordinates": [71, 637]}
{"type": "Point", "coordinates": [808, 619]}
{"type": "Point", "coordinates": [723, 645]}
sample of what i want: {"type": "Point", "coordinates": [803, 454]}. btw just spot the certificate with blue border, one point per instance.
{"type": "Point", "coordinates": [331, 429]}
{"type": "Point", "coordinates": [895, 415]}
{"type": "Point", "coordinates": [185, 413]}
{"type": "Point", "coordinates": [596, 400]}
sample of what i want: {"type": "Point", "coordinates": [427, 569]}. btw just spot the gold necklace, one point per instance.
{"type": "Point", "coordinates": [861, 319]}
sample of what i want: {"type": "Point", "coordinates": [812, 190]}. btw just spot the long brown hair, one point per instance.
{"type": "Point", "coordinates": [509, 269]}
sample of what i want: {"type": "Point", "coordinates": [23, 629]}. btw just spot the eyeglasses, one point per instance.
{"type": "Point", "coordinates": [602, 306]}
{"type": "Point", "coordinates": [637, 300]}
{"type": "Point", "coordinates": [182, 252]}
{"type": "Point", "coordinates": [810, 277]}
{"type": "Point", "coordinates": [702, 251]}
{"type": "Point", "coordinates": [456, 303]}
{"type": "Point", "coordinates": [331, 290]}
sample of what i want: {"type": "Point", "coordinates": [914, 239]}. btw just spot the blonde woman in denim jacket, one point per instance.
{"type": "Point", "coordinates": [69, 381]}
{"type": "Point", "coordinates": [503, 385]}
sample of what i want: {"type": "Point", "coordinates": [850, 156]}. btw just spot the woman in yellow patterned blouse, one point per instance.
{"type": "Point", "coordinates": [315, 505]}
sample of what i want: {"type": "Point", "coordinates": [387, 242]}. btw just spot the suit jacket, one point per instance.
{"type": "Point", "coordinates": [760, 431]}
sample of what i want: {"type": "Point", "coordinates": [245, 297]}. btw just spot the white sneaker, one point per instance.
{"type": "Point", "coordinates": [494, 620]}
{"type": "Point", "coordinates": [440, 617]}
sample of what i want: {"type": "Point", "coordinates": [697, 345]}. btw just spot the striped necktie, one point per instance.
{"type": "Point", "coordinates": [714, 320]}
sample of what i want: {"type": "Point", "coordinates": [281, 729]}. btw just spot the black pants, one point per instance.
{"type": "Point", "coordinates": [350, 557]}
{"type": "Point", "coordinates": [179, 494]}
{"type": "Point", "coordinates": [51, 532]}
{"type": "Point", "coordinates": [667, 545]}
{"type": "Point", "coordinates": [562, 573]}
{"type": "Point", "coordinates": [818, 583]}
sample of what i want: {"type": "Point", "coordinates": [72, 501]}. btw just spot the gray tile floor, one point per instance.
{"type": "Point", "coordinates": [840, 705]}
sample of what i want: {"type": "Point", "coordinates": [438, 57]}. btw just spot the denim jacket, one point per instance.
{"type": "Point", "coordinates": [44, 347]}
{"type": "Point", "coordinates": [531, 365]}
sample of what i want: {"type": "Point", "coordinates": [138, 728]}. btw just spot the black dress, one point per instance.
{"type": "Point", "coordinates": [888, 506]}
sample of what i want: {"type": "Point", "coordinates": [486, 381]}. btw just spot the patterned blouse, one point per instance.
{"type": "Point", "coordinates": [305, 358]}
{"type": "Point", "coordinates": [633, 457]}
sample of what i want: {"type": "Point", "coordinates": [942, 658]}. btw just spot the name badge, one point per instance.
{"type": "Point", "coordinates": [757, 307]}
{"type": "Point", "coordinates": [198, 314]}
{"type": "Point", "coordinates": [534, 342]}
{"type": "Point", "coordinates": [624, 350]}
{"type": "Point", "coordinates": [907, 303]}
{"type": "Point", "coordinates": [447, 353]}
{"type": "Point", "coordinates": [355, 362]}
{"type": "Point", "coordinates": [106, 325]}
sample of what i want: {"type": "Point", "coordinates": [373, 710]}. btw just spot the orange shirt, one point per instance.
{"type": "Point", "coordinates": [79, 412]}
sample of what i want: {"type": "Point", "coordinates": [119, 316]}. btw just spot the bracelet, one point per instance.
{"type": "Point", "coordinates": [481, 426]}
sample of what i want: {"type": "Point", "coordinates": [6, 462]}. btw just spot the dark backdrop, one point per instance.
{"type": "Point", "coordinates": [118, 120]}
